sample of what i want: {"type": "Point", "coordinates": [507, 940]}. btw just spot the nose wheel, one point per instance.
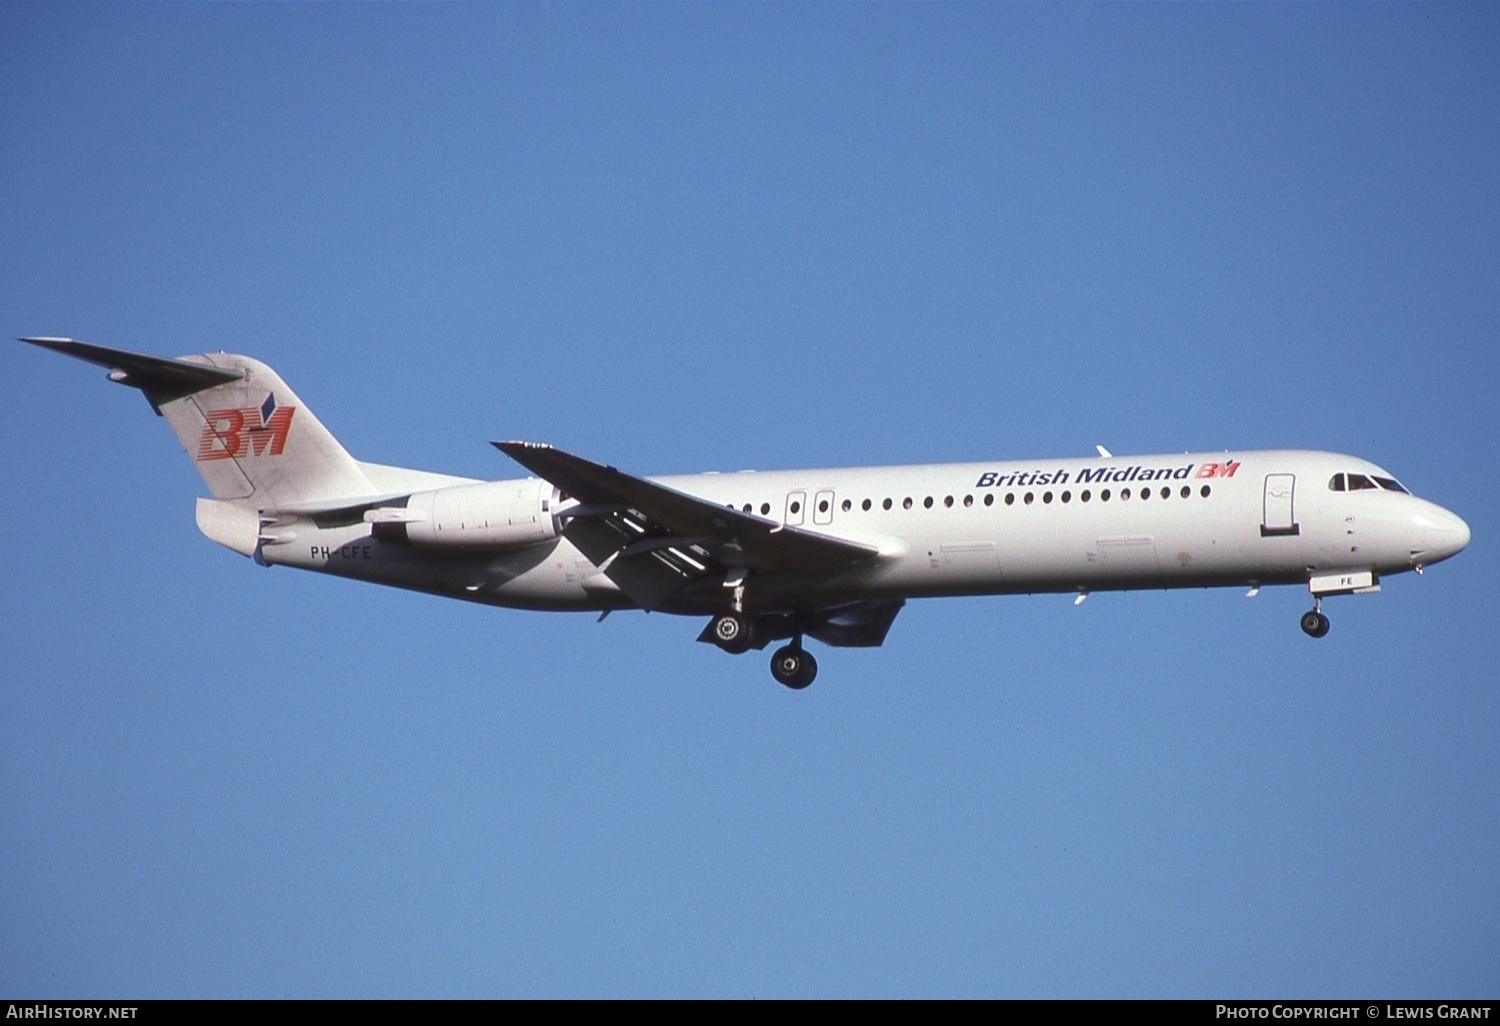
{"type": "Point", "coordinates": [794, 667]}
{"type": "Point", "coordinates": [1314, 623]}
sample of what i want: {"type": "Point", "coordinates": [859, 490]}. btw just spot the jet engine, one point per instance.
{"type": "Point", "coordinates": [492, 515]}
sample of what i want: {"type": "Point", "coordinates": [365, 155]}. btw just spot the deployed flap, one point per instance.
{"type": "Point", "coordinates": [734, 538]}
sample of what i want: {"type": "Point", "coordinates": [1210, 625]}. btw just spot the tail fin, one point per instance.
{"type": "Point", "coordinates": [244, 429]}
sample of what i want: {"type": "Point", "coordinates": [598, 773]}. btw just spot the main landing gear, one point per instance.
{"type": "Point", "coordinates": [732, 633]}
{"type": "Point", "coordinates": [1314, 623]}
{"type": "Point", "coordinates": [792, 665]}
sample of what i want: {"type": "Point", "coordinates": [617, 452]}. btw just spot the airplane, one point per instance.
{"type": "Point", "coordinates": [829, 554]}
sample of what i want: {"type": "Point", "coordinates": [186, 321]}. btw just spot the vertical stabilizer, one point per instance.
{"type": "Point", "coordinates": [244, 429]}
{"type": "Point", "coordinates": [252, 438]}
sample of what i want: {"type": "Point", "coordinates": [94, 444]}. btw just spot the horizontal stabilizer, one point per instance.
{"type": "Point", "coordinates": [162, 379]}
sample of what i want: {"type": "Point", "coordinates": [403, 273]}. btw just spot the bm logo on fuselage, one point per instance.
{"type": "Point", "coordinates": [250, 431]}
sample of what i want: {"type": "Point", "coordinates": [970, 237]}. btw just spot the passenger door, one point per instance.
{"type": "Point", "coordinates": [823, 507]}
{"type": "Point", "coordinates": [1278, 517]}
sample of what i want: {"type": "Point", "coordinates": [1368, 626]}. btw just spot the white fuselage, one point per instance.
{"type": "Point", "coordinates": [830, 555]}
{"type": "Point", "coordinates": [1052, 525]}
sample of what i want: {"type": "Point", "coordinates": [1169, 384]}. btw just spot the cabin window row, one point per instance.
{"type": "Point", "coordinates": [1011, 498]}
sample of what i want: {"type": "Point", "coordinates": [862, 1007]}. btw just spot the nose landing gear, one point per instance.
{"type": "Point", "coordinates": [1314, 623]}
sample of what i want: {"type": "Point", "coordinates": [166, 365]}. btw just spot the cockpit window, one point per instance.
{"type": "Point", "coordinates": [1360, 483]}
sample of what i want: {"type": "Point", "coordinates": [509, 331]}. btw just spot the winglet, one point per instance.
{"type": "Point", "coordinates": [1105, 452]}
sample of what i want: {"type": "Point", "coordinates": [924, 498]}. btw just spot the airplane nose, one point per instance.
{"type": "Point", "coordinates": [1439, 534]}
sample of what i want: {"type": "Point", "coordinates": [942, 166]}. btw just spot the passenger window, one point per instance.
{"type": "Point", "coordinates": [847, 505]}
{"type": "Point", "coordinates": [1067, 496]}
{"type": "Point", "coordinates": [968, 500]}
{"type": "Point", "coordinates": [927, 502]}
{"type": "Point", "coordinates": [948, 501]}
{"type": "Point", "coordinates": [1085, 496]}
{"type": "Point", "coordinates": [1206, 492]}
{"type": "Point", "coordinates": [989, 498]}
{"type": "Point", "coordinates": [765, 509]}
{"type": "Point", "coordinates": [1010, 498]}
{"type": "Point", "coordinates": [1029, 497]}
{"type": "Point", "coordinates": [906, 502]}
{"type": "Point", "coordinates": [1047, 498]}
{"type": "Point", "coordinates": [865, 505]}
{"type": "Point", "coordinates": [1104, 495]}
{"type": "Point", "coordinates": [1186, 491]}
{"type": "Point", "coordinates": [1166, 493]}
{"type": "Point", "coordinates": [1124, 493]}
{"type": "Point", "coordinates": [1145, 493]}
{"type": "Point", "coordinates": [886, 504]}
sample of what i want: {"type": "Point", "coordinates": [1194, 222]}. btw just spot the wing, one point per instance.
{"type": "Point", "coordinates": [697, 538]}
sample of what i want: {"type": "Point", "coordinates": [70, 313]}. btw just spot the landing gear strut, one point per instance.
{"type": "Point", "coordinates": [1314, 623]}
{"type": "Point", "coordinates": [793, 666]}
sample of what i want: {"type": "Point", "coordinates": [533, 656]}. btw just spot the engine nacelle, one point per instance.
{"type": "Point", "coordinates": [496, 515]}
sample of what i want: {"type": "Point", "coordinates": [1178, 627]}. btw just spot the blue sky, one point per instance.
{"type": "Point", "coordinates": [691, 237]}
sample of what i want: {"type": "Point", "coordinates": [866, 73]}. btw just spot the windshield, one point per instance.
{"type": "Point", "coordinates": [1364, 482]}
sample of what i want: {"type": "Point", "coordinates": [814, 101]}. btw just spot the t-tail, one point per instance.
{"type": "Point", "coordinates": [256, 445]}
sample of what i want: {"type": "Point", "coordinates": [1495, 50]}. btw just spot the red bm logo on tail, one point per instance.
{"type": "Point", "coordinates": [231, 434]}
